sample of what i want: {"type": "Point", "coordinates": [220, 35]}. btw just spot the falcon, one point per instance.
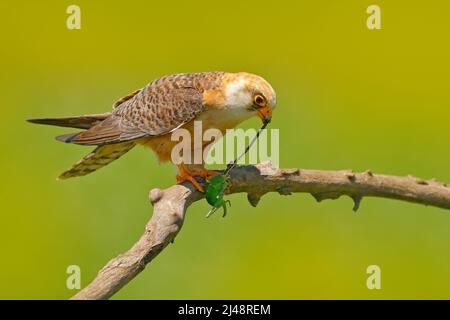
{"type": "Point", "coordinates": [149, 116]}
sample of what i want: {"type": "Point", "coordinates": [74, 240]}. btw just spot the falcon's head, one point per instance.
{"type": "Point", "coordinates": [248, 94]}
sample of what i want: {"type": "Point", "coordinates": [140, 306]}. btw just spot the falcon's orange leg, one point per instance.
{"type": "Point", "coordinates": [189, 176]}
{"type": "Point", "coordinates": [206, 174]}
{"type": "Point", "coordinates": [185, 176]}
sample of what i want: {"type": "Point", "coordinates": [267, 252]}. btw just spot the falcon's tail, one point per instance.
{"type": "Point", "coordinates": [100, 157]}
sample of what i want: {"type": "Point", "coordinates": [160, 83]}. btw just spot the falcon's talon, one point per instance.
{"type": "Point", "coordinates": [205, 174]}
{"type": "Point", "coordinates": [191, 179]}
{"type": "Point", "coordinates": [186, 176]}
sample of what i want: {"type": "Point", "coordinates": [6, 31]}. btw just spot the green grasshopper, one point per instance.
{"type": "Point", "coordinates": [218, 185]}
{"type": "Point", "coordinates": [215, 192]}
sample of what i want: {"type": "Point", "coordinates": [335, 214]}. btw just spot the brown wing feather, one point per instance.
{"type": "Point", "coordinates": [82, 122]}
{"type": "Point", "coordinates": [161, 107]}
{"type": "Point", "coordinates": [107, 131]}
{"type": "Point", "coordinates": [126, 98]}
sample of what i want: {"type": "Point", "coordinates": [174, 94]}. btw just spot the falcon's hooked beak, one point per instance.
{"type": "Point", "coordinates": [265, 114]}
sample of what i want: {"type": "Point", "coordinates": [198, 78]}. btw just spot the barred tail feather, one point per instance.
{"type": "Point", "coordinates": [100, 157]}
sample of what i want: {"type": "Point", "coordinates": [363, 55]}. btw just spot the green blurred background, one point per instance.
{"type": "Point", "coordinates": [348, 98]}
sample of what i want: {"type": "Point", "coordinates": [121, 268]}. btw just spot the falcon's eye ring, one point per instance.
{"type": "Point", "coordinates": [259, 100]}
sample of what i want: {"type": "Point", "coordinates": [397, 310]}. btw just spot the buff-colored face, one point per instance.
{"type": "Point", "coordinates": [250, 93]}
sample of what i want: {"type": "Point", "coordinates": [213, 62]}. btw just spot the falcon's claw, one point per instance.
{"type": "Point", "coordinates": [205, 174]}
{"type": "Point", "coordinates": [187, 176]}
{"type": "Point", "coordinates": [192, 180]}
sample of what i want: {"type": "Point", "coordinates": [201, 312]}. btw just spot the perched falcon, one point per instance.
{"type": "Point", "coordinates": [149, 115]}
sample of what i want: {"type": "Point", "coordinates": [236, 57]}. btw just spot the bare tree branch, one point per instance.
{"type": "Point", "coordinates": [170, 205]}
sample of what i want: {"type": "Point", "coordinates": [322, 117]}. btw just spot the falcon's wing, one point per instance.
{"type": "Point", "coordinates": [126, 98]}
{"type": "Point", "coordinates": [152, 111]}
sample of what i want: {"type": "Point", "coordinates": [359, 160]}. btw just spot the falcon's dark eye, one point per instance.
{"type": "Point", "coordinates": [259, 100]}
